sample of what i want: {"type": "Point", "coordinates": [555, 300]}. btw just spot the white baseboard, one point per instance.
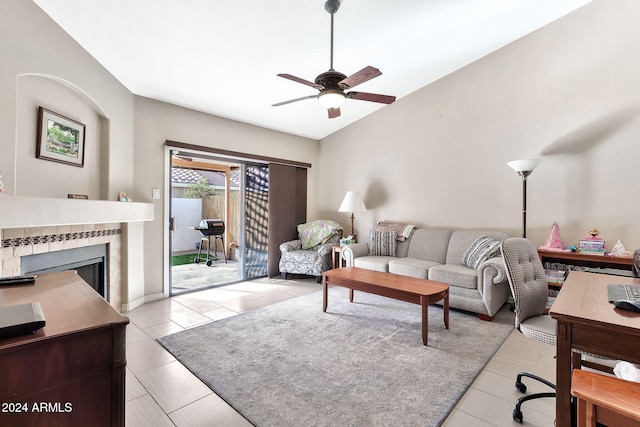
{"type": "Point", "coordinates": [140, 301]}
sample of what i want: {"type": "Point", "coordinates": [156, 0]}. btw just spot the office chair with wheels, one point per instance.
{"type": "Point", "coordinates": [530, 293]}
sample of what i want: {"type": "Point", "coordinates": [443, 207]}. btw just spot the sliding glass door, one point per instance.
{"type": "Point", "coordinates": [207, 188]}
{"type": "Point", "coordinates": [260, 199]}
{"type": "Point", "coordinates": [255, 221]}
{"type": "Point", "coordinates": [203, 188]}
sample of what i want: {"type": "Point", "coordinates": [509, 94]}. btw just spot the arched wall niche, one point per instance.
{"type": "Point", "coordinates": [42, 178]}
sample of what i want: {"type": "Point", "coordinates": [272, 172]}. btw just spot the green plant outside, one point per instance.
{"type": "Point", "coordinates": [189, 259]}
{"type": "Point", "coordinates": [199, 189]}
{"type": "Point", "coordinates": [183, 259]}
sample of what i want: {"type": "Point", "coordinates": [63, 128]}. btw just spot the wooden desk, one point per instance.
{"type": "Point", "coordinates": [588, 322]}
{"type": "Point", "coordinates": [72, 371]}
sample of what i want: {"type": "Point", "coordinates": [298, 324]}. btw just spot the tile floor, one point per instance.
{"type": "Point", "coordinates": [162, 392]}
{"type": "Point", "coordinates": [191, 276]}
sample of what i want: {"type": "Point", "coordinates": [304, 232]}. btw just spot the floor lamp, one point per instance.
{"type": "Point", "coordinates": [524, 169]}
{"type": "Point", "coordinates": [352, 203]}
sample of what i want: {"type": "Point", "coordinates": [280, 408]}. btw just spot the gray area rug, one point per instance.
{"type": "Point", "coordinates": [359, 364]}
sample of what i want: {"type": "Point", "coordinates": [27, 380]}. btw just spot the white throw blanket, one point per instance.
{"type": "Point", "coordinates": [403, 230]}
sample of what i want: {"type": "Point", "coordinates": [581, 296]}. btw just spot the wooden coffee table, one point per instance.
{"type": "Point", "coordinates": [410, 289]}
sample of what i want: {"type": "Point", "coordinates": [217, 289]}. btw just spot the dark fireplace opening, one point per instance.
{"type": "Point", "coordinates": [90, 262]}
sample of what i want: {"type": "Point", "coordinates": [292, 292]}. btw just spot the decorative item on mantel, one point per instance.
{"type": "Point", "coordinates": [592, 244]}
{"type": "Point", "coordinates": [554, 242]}
{"type": "Point", "coordinates": [124, 197]}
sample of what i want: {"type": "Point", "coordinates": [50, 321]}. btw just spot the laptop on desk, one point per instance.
{"type": "Point", "coordinates": [618, 292]}
{"type": "Point", "coordinates": [21, 319]}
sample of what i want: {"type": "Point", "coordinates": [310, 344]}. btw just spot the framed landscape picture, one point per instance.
{"type": "Point", "coordinates": [60, 139]}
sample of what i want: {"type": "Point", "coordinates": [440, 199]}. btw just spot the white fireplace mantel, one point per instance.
{"type": "Point", "coordinates": [25, 212]}
{"type": "Point", "coordinates": [21, 212]}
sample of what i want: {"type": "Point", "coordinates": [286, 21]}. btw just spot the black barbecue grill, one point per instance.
{"type": "Point", "coordinates": [211, 228]}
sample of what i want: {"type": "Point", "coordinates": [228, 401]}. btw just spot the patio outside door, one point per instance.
{"type": "Point", "coordinates": [203, 188]}
{"type": "Point", "coordinates": [263, 204]}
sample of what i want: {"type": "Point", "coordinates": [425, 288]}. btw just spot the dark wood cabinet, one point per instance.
{"type": "Point", "coordinates": [72, 371]}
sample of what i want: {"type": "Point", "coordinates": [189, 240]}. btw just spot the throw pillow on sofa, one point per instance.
{"type": "Point", "coordinates": [383, 243]}
{"type": "Point", "coordinates": [481, 250]}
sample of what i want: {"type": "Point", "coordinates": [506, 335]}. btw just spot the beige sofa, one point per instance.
{"type": "Point", "coordinates": [437, 254]}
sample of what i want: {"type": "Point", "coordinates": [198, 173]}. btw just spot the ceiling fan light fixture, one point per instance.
{"type": "Point", "coordinates": [332, 83]}
{"type": "Point", "coordinates": [331, 98]}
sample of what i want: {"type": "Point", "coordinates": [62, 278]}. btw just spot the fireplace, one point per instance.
{"type": "Point", "coordinates": [36, 225]}
{"type": "Point", "coordinates": [91, 263]}
{"type": "Point", "coordinates": [94, 250]}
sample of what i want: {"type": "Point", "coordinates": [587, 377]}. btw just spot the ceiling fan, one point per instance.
{"type": "Point", "coordinates": [332, 84]}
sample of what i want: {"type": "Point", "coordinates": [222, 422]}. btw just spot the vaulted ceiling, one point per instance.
{"type": "Point", "coordinates": [223, 57]}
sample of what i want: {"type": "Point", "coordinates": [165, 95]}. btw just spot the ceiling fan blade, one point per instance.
{"type": "Point", "coordinates": [373, 97]}
{"type": "Point", "coordinates": [367, 73]}
{"type": "Point", "coordinates": [333, 113]}
{"type": "Point", "coordinates": [303, 81]}
{"type": "Point", "coordinates": [294, 100]}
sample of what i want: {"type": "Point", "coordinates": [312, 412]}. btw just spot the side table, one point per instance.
{"type": "Point", "coordinates": [336, 250]}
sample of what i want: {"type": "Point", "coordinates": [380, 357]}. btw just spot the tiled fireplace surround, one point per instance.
{"type": "Point", "coordinates": [18, 242]}
{"type": "Point", "coordinates": [35, 225]}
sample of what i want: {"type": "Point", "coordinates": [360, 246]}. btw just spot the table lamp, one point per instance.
{"type": "Point", "coordinates": [352, 203]}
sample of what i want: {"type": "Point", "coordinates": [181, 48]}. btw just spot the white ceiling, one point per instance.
{"type": "Point", "coordinates": [222, 57]}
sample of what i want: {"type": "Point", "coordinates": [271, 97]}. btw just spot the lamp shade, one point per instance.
{"type": "Point", "coordinates": [352, 203]}
{"type": "Point", "coordinates": [527, 165]}
{"type": "Point", "coordinates": [331, 98]}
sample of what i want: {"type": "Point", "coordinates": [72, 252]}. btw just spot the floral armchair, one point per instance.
{"type": "Point", "coordinates": [310, 254]}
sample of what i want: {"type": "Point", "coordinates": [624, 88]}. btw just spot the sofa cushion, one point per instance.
{"type": "Point", "coordinates": [429, 244]}
{"type": "Point", "coordinates": [459, 275]}
{"type": "Point", "coordinates": [481, 250]}
{"type": "Point", "coordinates": [461, 240]}
{"type": "Point", "coordinates": [411, 267]}
{"type": "Point", "coordinates": [376, 263]}
{"type": "Point", "coordinates": [403, 247]}
{"type": "Point", "coordinates": [383, 243]}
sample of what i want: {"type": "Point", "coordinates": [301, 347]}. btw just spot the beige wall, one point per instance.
{"type": "Point", "coordinates": [42, 65]}
{"type": "Point", "coordinates": [156, 122]}
{"type": "Point", "coordinates": [568, 93]}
